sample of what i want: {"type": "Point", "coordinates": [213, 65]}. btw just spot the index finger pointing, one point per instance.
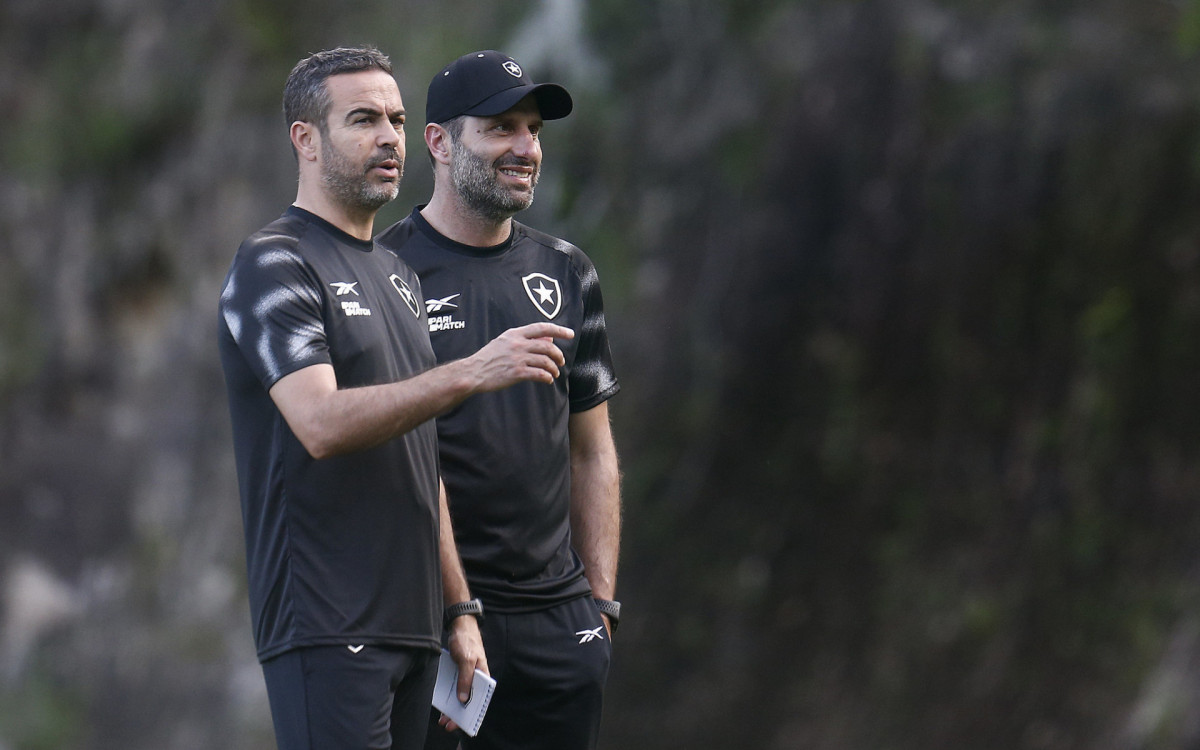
{"type": "Point", "coordinates": [548, 330]}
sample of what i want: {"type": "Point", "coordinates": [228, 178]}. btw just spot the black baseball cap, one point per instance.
{"type": "Point", "coordinates": [487, 83]}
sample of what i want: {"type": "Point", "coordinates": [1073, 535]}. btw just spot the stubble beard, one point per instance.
{"type": "Point", "coordinates": [477, 184]}
{"type": "Point", "coordinates": [349, 183]}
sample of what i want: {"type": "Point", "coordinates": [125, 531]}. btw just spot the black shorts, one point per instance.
{"type": "Point", "coordinates": [333, 697]}
{"type": "Point", "coordinates": [550, 668]}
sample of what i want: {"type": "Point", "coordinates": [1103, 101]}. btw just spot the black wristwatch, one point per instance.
{"type": "Point", "coordinates": [610, 608]}
{"type": "Point", "coordinates": [473, 607]}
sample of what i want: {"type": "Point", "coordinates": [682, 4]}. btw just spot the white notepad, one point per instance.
{"type": "Point", "coordinates": [469, 715]}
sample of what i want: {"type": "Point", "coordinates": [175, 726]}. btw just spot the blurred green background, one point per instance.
{"type": "Point", "coordinates": [905, 300]}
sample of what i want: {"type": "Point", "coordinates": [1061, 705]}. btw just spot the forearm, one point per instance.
{"type": "Point", "coordinates": [596, 527]}
{"type": "Point", "coordinates": [354, 419]}
{"type": "Point", "coordinates": [463, 638]}
{"type": "Point", "coordinates": [596, 502]}
{"type": "Point", "coordinates": [330, 421]}
{"type": "Point", "coordinates": [454, 581]}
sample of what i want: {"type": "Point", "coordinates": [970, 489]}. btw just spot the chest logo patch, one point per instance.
{"type": "Point", "coordinates": [544, 292]}
{"type": "Point", "coordinates": [350, 308]}
{"type": "Point", "coordinates": [406, 294]}
{"type": "Point", "coordinates": [441, 314]}
{"type": "Point", "coordinates": [437, 305]}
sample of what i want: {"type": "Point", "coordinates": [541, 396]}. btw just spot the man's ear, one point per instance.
{"type": "Point", "coordinates": [437, 140]}
{"type": "Point", "coordinates": [306, 139]}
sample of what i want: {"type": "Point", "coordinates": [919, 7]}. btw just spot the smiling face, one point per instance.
{"type": "Point", "coordinates": [362, 140]}
{"type": "Point", "coordinates": [495, 163]}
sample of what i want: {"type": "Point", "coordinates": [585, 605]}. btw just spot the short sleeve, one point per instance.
{"type": "Point", "coordinates": [272, 305]}
{"type": "Point", "coordinates": [593, 378]}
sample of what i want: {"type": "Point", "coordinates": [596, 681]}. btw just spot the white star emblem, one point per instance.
{"type": "Point", "coordinates": [406, 294]}
{"type": "Point", "coordinates": [546, 296]}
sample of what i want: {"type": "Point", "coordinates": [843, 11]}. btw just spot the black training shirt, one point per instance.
{"type": "Point", "coordinates": [342, 550]}
{"type": "Point", "coordinates": [505, 455]}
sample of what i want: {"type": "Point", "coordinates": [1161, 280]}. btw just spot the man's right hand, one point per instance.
{"type": "Point", "coordinates": [520, 354]}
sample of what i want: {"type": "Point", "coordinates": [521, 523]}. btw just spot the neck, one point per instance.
{"type": "Point", "coordinates": [356, 222]}
{"type": "Point", "coordinates": [447, 214]}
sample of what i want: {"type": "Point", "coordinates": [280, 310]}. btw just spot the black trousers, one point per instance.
{"type": "Point", "coordinates": [350, 697]}
{"type": "Point", "coordinates": [550, 668]}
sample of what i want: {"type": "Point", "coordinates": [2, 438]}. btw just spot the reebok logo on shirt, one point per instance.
{"type": "Point", "coordinates": [443, 322]}
{"type": "Point", "coordinates": [437, 305]}
{"type": "Point", "coordinates": [351, 308]}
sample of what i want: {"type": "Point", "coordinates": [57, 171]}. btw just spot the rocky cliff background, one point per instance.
{"type": "Point", "coordinates": [905, 296]}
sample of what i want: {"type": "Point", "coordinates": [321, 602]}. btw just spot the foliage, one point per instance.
{"type": "Point", "coordinates": [906, 306]}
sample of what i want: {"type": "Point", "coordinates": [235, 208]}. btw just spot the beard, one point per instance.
{"type": "Point", "coordinates": [478, 186]}
{"type": "Point", "coordinates": [348, 183]}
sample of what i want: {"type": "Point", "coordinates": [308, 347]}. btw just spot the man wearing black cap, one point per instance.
{"type": "Point", "coordinates": [531, 474]}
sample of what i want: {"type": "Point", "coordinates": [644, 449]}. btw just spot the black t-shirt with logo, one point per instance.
{"type": "Point", "coordinates": [343, 550]}
{"type": "Point", "coordinates": [505, 455]}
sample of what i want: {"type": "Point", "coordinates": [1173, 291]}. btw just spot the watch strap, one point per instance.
{"type": "Point", "coordinates": [610, 608]}
{"type": "Point", "coordinates": [472, 607]}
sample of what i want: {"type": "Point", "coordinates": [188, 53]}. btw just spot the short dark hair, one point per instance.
{"type": "Point", "coordinates": [305, 96]}
{"type": "Point", "coordinates": [454, 126]}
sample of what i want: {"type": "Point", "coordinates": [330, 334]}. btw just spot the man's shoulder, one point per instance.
{"type": "Point", "coordinates": [281, 236]}
{"type": "Point", "coordinates": [277, 253]}
{"type": "Point", "coordinates": [523, 233]}
{"type": "Point", "coordinates": [527, 239]}
{"type": "Point", "coordinates": [396, 236]}
{"type": "Point", "coordinates": [407, 241]}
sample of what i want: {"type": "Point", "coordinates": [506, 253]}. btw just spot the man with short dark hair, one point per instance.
{"type": "Point", "coordinates": [332, 385]}
{"type": "Point", "coordinates": [531, 474]}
